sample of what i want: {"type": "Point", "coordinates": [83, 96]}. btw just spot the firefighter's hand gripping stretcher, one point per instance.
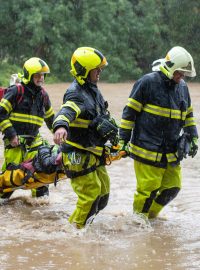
{"type": "Point", "coordinates": [46, 168]}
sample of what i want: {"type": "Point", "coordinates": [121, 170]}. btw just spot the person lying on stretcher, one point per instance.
{"type": "Point", "coordinates": [45, 168]}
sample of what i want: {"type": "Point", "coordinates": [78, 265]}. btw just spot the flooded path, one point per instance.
{"type": "Point", "coordinates": [37, 235]}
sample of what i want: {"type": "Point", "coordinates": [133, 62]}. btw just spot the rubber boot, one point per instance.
{"type": "Point", "coordinates": [39, 192]}
{"type": "Point", "coordinates": [155, 210]}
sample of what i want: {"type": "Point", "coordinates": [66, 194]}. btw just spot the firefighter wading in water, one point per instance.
{"type": "Point", "coordinates": [22, 112]}
{"type": "Point", "coordinates": [82, 127]}
{"type": "Point", "coordinates": [158, 110]}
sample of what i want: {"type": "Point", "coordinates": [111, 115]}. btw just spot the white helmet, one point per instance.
{"type": "Point", "coordinates": [176, 59]}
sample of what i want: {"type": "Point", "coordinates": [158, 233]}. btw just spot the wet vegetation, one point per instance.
{"type": "Point", "coordinates": [131, 33]}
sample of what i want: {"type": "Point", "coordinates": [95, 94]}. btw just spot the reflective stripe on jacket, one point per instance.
{"type": "Point", "coordinates": [156, 112]}
{"type": "Point", "coordinates": [26, 117]}
{"type": "Point", "coordinates": [81, 105]}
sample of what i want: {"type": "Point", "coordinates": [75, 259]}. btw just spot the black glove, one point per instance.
{"type": "Point", "coordinates": [193, 147]}
{"type": "Point", "coordinates": [106, 128]}
{"type": "Point", "coordinates": [45, 160]}
{"type": "Point", "coordinates": [183, 146]}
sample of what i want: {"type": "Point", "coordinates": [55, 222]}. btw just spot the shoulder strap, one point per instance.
{"type": "Point", "coordinates": [2, 92]}
{"type": "Point", "coordinates": [20, 92]}
{"type": "Point", "coordinates": [45, 97]}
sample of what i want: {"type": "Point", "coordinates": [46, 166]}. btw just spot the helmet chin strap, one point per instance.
{"type": "Point", "coordinates": [80, 80]}
{"type": "Point", "coordinates": [166, 72]}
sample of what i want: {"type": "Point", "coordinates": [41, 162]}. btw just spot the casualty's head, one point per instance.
{"type": "Point", "coordinates": [177, 63]}
{"type": "Point", "coordinates": [34, 71]}
{"type": "Point", "coordinates": [86, 64]}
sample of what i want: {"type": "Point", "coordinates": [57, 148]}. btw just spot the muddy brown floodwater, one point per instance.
{"type": "Point", "coordinates": [36, 236]}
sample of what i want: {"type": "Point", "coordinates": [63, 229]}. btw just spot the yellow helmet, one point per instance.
{"type": "Point", "coordinates": [32, 66]}
{"type": "Point", "coordinates": [85, 59]}
{"type": "Point", "coordinates": [176, 59]}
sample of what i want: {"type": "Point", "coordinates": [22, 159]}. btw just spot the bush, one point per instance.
{"type": "Point", "coordinates": [5, 71]}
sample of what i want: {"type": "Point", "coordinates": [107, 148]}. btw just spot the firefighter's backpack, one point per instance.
{"type": "Point", "coordinates": [20, 92]}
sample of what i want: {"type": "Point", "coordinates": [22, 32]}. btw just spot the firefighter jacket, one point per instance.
{"type": "Point", "coordinates": [157, 111]}
{"type": "Point", "coordinates": [23, 113]}
{"type": "Point", "coordinates": [82, 104]}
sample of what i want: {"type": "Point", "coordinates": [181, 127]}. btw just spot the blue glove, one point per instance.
{"type": "Point", "coordinates": [193, 147]}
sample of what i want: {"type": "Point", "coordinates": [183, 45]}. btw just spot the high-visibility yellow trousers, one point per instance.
{"type": "Point", "coordinates": [22, 152]}
{"type": "Point", "coordinates": [156, 187]}
{"type": "Point", "coordinates": [92, 188]}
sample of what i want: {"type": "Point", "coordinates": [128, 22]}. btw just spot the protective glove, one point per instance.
{"type": "Point", "coordinates": [183, 146]}
{"type": "Point", "coordinates": [106, 128]}
{"type": "Point", "coordinates": [124, 146]}
{"type": "Point", "coordinates": [193, 147]}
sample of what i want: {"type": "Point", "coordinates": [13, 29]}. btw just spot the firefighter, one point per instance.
{"type": "Point", "coordinates": [23, 110]}
{"type": "Point", "coordinates": [82, 127]}
{"type": "Point", "coordinates": [158, 110]}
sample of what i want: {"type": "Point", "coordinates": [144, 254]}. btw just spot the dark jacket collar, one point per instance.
{"type": "Point", "coordinates": [34, 90]}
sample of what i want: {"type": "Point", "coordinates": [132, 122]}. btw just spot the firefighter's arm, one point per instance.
{"type": "Point", "coordinates": [129, 115]}
{"type": "Point", "coordinates": [7, 104]}
{"type": "Point", "coordinates": [49, 112]}
{"type": "Point", "coordinates": [69, 111]}
{"type": "Point", "coordinates": [125, 130]}
{"type": "Point", "coordinates": [191, 129]}
{"type": "Point", "coordinates": [133, 108]}
{"type": "Point", "coordinates": [60, 135]}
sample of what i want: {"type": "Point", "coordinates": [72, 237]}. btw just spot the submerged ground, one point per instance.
{"type": "Point", "coordinates": [37, 236]}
